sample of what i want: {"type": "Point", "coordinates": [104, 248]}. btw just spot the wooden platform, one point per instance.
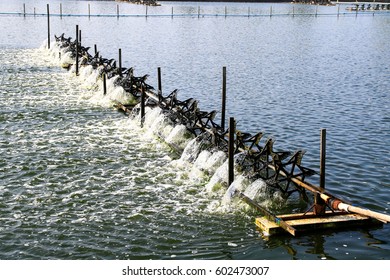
{"type": "Point", "coordinates": [309, 222]}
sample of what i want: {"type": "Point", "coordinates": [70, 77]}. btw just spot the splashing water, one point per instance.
{"type": "Point", "coordinates": [210, 161]}
{"type": "Point", "coordinates": [127, 204]}
{"type": "Point", "coordinates": [255, 188]}
{"type": "Point", "coordinates": [219, 180]}
{"type": "Point", "coordinates": [202, 165]}
{"type": "Point", "coordinates": [191, 151]}
{"type": "Point", "coordinates": [229, 200]}
{"type": "Point", "coordinates": [179, 136]}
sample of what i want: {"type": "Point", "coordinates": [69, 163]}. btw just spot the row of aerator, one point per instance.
{"type": "Point", "coordinates": [277, 168]}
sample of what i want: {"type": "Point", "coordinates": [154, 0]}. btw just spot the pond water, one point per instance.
{"type": "Point", "coordinates": [78, 180]}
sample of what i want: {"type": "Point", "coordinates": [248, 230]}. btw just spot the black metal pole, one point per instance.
{"type": "Point", "coordinates": [159, 79]}
{"type": "Point", "coordinates": [48, 27]}
{"type": "Point", "coordinates": [319, 203]}
{"type": "Point", "coordinates": [223, 98]}
{"type": "Point", "coordinates": [77, 50]}
{"type": "Point", "coordinates": [104, 84]}
{"type": "Point", "coordinates": [232, 130]}
{"type": "Point", "coordinates": [322, 158]}
{"type": "Point", "coordinates": [142, 105]}
{"type": "Point", "coordinates": [120, 62]}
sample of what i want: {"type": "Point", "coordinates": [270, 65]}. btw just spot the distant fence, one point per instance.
{"type": "Point", "coordinates": [353, 8]}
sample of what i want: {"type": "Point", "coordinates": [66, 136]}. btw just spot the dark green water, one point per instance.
{"type": "Point", "coordinates": [80, 181]}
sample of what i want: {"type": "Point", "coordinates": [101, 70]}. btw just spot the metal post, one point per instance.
{"type": "Point", "coordinates": [223, 98]}
{"type": "Point", "coordinates": [172, 11]}
{"type": "Point", "coordinates": [142, 105]}
{"type": "Point", "coordinates": [61, 10]}
{"type": "Point", "coordinates": [80, 37]}
{"type": "Point", "coordinates": [95, 47]}
{"type": "Point", "coordinates": [232, 130]}
{"type": "Point", "coordinates": [104, 84]}
{"type": "Point", "coordinates": [322, 158]}
{"type": "Point", "coordinates": [48, 26]}
{"type": "Point", "coordinates": [117, 11]}
{"type": "Point", "coordinates": [146, 11]}
{"type": "Point", "coordinates": [319, 203]}
{"type": "Point", "coordinates": [120, 62]}
{"type": "Point", "coordinates": [24, 9]}
{"type": "Point", "coordinates": [159, 80]}
{"type": "Point", "coordinates": [77, 50]}
{"type": "Point", "coordinates": [198, 11]}
{"type": "Point", "coordinates": [89, 11]}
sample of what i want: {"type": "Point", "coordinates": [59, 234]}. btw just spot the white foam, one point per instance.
{"type": "Point", "coordinates": [229, 201]}
{"type": "Point", "coordinates": [199, 164]}
{"type": "Point", "coordinates": [255, 188]}
{"type": "Point", "coordinates": [214, 161]}
{"type": "Point", "coordinates": [191, 151]}
{"type": "Point", "coordinates": [158, 123]}
{"type": "Point", "coordinates": [219, 179]}
{"type": "Point", "coordinates": [179, 136]}
{"type": "Point", "coordinates": [201, 160]}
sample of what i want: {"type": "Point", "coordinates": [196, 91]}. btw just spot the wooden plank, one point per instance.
{"type": "Point", "coordinates": [277, 220]}
{"type": "Point", "coordinates": [309, 222]}
{"type": "Point", "coordinates": [268, 227]}
{"type": "Point", "coordinates": [309, 215]}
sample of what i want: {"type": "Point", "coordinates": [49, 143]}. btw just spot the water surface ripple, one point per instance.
{"type": "Point", "coordinates": [80, 181]}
